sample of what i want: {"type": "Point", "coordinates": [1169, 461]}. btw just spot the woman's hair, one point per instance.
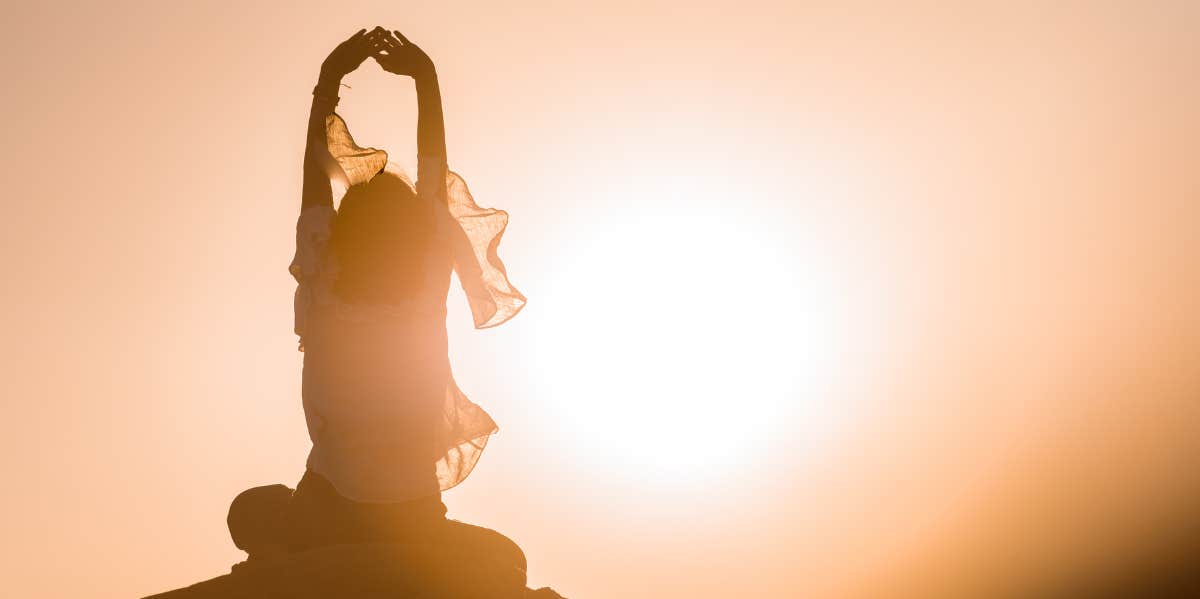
{"type": "Point", "coordinates": [380, 237]}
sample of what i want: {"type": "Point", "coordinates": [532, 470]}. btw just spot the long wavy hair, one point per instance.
{"type": "Point", "coordinates": [380, 238]}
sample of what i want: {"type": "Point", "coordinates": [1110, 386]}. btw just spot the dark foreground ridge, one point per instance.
{"type": "Point", "coordinates": [361, 571]}
{"type": "Point", "coordinates": [312, 543]}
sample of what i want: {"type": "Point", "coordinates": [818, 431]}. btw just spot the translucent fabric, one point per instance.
{"type": "Point", "coordinates": [492, 299]}
{"type": "Point", "coordinates": [387, 420]}
{"type": "Point", "coordinates": [358, 165]}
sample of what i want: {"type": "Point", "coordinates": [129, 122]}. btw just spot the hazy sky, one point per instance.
{"type": "Point", "coordinates": [822, 300]}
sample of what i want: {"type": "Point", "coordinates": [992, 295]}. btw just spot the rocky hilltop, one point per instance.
{"type": "Point", "coordinates": [361, 571]}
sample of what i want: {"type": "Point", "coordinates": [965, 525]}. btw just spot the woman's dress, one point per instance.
{"type": "Point", "coordinates": [387, 421]}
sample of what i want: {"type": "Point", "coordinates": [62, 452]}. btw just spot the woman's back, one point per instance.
{"type": "Point", "coordinates": [376, 368]}
{"type": "Point", "coordinates": [374, 392]}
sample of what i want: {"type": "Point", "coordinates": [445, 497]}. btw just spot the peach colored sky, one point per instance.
{"type": "Point", "coordinates": [822, 301]}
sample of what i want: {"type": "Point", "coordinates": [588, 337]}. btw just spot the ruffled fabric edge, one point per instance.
{"type": "Point", "coordinates": [492, 298]}
{"type": "Point", "coordinates": [467, 431]}
{"type": "Point", "coordinates": [358, 164]}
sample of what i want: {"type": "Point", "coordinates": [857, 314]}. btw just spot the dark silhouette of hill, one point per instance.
{"type": "Point", "coordinates": [360, 552]}
{"type": "Point", "coordinates": [361, 571]}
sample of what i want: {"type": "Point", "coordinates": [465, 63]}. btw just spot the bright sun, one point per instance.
{"type": "Point", "coordinates": [683, 344]}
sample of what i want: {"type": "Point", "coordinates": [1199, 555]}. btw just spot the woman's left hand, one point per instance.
{"type": "Point", "coordinates": [397, 55]}
{"type": "Point", "coordinates": [347, 55]}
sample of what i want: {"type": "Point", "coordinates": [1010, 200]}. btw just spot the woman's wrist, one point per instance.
{"type": "Point", "coordinates": [328, 84]}
{"type": "Point", "coordinates": [426, 77]}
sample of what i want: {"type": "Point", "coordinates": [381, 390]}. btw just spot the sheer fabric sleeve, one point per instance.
{"type": "Point", "coordinates": [474, 236]}
{"type": "Point", "coordinates": [310, 265]}
{"type": "Point", "coordinates": [475, 241]}
{"type": "Point", "coordinates": [358, 164]}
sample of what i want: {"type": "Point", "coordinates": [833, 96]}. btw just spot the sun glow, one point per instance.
{"type": "Point", "coordinates": [681, 341]}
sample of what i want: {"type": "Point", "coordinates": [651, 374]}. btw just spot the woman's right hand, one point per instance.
{"type": "Point", "coordinates": [347, 56]}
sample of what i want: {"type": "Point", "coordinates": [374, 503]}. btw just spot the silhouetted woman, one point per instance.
{"type": "Point", "coordinates": [389, 427]}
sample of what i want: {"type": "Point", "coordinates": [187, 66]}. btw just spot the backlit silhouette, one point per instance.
{"type": "Point", "coordinates": [390, 429]}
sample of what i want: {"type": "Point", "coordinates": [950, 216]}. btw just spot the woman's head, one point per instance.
{"type": "Point", "coordinates": [380, 237]}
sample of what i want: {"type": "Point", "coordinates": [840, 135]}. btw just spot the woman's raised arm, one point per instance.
{"type": "Point", "coordinates": [398, 55]}
{"type": "Point", "coordinates": [318, 162]}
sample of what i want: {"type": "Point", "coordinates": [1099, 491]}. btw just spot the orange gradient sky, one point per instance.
{"type": "Point", "coordinates": [822, 301]}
